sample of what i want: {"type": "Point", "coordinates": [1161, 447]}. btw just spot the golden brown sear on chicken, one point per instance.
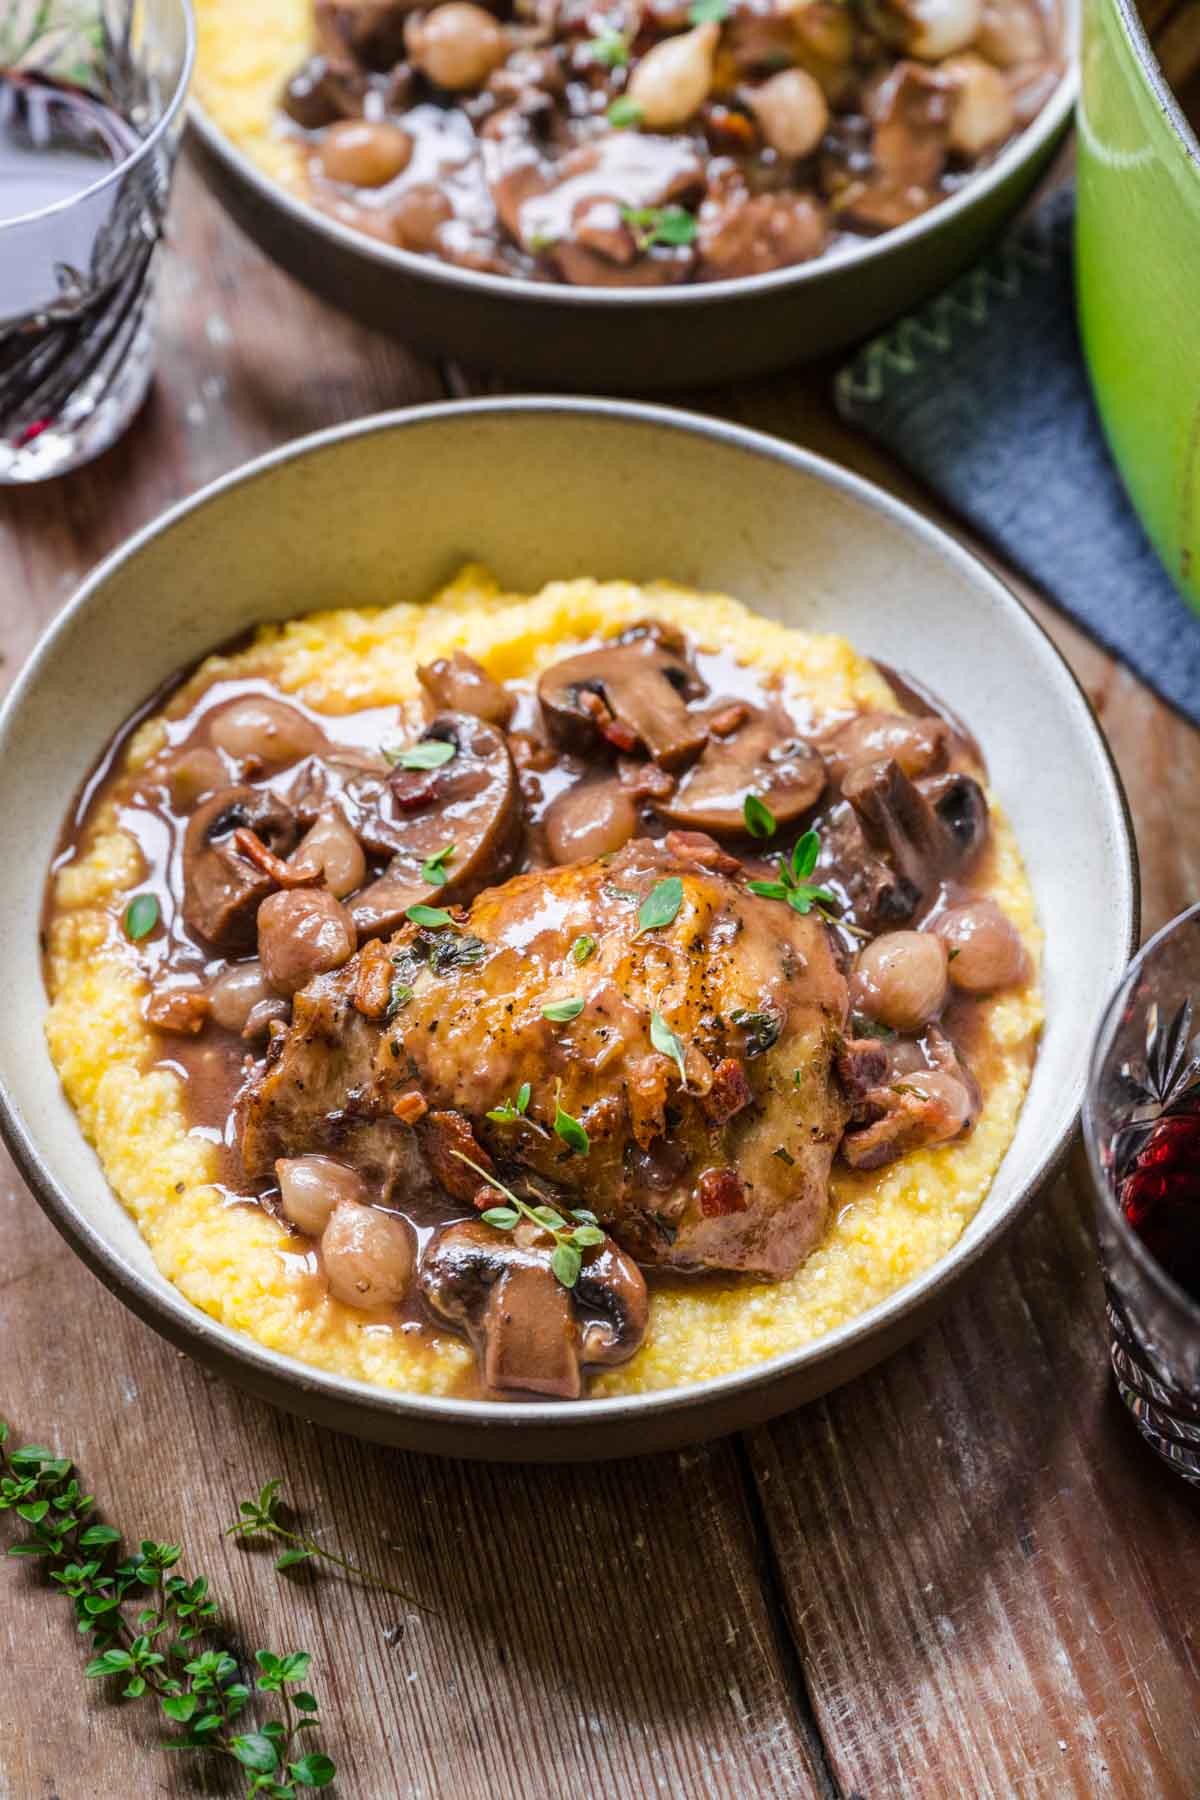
{"type": "Point", "coordinates": [579, 984]}
{"type": "Point", "coordinates": [695, 1058]}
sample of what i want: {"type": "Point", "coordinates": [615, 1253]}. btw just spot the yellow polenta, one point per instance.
{"type": "Point", "coordinates": [240, 72]}
{"type": "Point", "coordinates": [242, 1268]}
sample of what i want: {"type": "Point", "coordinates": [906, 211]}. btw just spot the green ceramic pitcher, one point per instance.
{"type": "Point", "coordinates": [1138, 274]}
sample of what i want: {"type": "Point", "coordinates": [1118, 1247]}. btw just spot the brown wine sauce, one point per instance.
{"type": "Point", "coordinates": [216, 1065]}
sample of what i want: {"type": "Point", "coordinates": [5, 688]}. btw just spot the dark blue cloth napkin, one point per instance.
{"type": "Point", "coordinates": [984, 395]}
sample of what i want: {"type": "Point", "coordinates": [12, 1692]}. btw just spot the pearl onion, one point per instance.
{"type": "Point", "coordinates": [982, 114]}
{"type": "Point", "coordinates": [457, 45]}
{"type": "Point", "coordinates": [900, 979]}
{"type": "Point", "coordinates": [937, 28]}
{"type": "Point", "coordinates": [369, 1256]}
{"type": "Point", "coordinates": [672, 80]}
{"type": "Point", "coordinates": [363, 153]}
{"type": "Point", "coordinates": [792, 112]}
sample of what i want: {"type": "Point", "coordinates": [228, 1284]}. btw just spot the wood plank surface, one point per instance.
{"type": "Point", "coordinates": [961, 1575]}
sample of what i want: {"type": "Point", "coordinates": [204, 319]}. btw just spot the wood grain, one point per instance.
{"type": "Point", "coordinates": [960, 1575]}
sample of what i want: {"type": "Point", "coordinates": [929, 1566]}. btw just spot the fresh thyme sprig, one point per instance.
{"type": "Point", "coordinates": [570, 1241]}
{"type": "Point", "coordinates": [261, 1518]}
{"type": "Point", "coordinates": [516, 1111]}
{"type": "Point", "coordinates": [794, 886]}
{"type": "Point", "coordinates": [141, 1620]}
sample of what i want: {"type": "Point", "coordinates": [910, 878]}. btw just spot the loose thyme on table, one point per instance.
{"type": "Point", "coordinates": [143, 1624]}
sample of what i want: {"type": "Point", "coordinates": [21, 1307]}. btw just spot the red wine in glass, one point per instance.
{"type": "Point", "coordinates": [1160, 1197]}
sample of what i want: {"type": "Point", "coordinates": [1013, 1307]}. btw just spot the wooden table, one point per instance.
{"type": "Point", "coordinates": [960, 1575]}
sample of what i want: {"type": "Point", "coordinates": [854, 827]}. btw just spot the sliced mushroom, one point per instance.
{"type": "Point", "coordinates": [321, 91]}
{"type": "Point", "coordinates": [222, 888]}
{"type": "Point", "coordinates": [458, 683]}
{"type": "Point", "coordinates": [930, 827]}
{"type": "Point", "coordinates": [526, 1328]}
{"type": "Point", "coordinates": [370, 32]}
{"type": "Point", "coordinates": [764, 757]}
{"type": "Point", "coordinates": [917, 744]}
{"type": "Point", "coordinates": [880, 898]}
{"type": "Point", "coordinates": [471, 803]}
{"type": "Point", "coordinates": [630, 695]}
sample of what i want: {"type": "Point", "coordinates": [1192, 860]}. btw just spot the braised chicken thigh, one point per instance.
{"type": "Point", "coordinates": [714, 1157]}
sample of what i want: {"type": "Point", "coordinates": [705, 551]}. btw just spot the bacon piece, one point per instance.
{"type": "Point", "coordinates": [861, 1064]}
{"type": "Point", "coordinates": [410, 1106]}
{"type": "Point", "coordinates": [729, 1093]}
{"type": "Point", "coordinates": [698, 847]}
{"type": "Point", "coordinates": [255, 851]}
{"type": "Point", "coordinates": [446, 1137]}
{"type": "Point", "coordinates": [373, 985]}
{"type": "Point", "coordinates": [720, 1192]}
{"type": "Point", "coordinates": [183, 1011]}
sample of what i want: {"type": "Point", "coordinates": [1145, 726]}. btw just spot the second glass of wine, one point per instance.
{"type": "Point", "coordinates": [1141, 1121]}
{"type": "Point", "coordinates": [89, 129]}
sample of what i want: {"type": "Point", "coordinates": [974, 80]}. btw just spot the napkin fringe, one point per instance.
{"type": "Point", "coordinates": [903, 351]}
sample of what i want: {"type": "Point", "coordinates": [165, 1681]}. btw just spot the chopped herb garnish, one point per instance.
{"type": "Point", "coordinates": [793, 885]}
{"type": "Point", "coordinates": [666, 1042]}
{"type": "Point", "coordinates": [562, 1010]}
{"type": "Point", "coordinates": [430, 753]}
{"type": "Point", "coordinates": [508, 1110]}
{"type": "Point", "coordinates": [951, 954]}
{"type": "Point", "coordinates": [785, 1156]}
{"type": "Point", "coordinates": [140, 917]}
{"type": "Point", "coordinates": [537, 241]}
{"type": "Point", "coordinates": [570, 1131]}
{"type": "Point", "coordinates": [863, 1027]}
{"type": "Point", "coordinates": [760, 820]}
{"type": "Point", "coordinates": [400, 995]}
{"type": "Point", "coordinates": [569, 1241]}
{"type": "Point", "coordinates": [610, 48]}
{"type": "Point", "coordinates": [673, 226]}
{"type": "Point", "coordinates": [514, 1112]}
{"type": "Point", "coordinates": [623, 112]}
{"type": "Point", "coordinates": [661, 905]}
{"type": "Point", "coordinates": [461, 951]}
{"type": "Point", "coordinates": [709, 12]}
{"type": "Point", "coordinates": [433, 869]}
{"type": "Point", "coordinates": [582, 948]}
{"type": "Point", "coordinates": [434, 918]}
{"type": "Point", "coordinates": [761, 1028]}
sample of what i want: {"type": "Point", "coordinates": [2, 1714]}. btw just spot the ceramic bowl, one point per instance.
{"type": "Point", "coordinates": [600, 339]}
{"type": "Point", "coordinates": [1138, 241]}
{"type": "Point", "coordinates": [390, 507]}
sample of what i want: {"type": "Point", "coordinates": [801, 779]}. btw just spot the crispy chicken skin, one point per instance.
{"type": "Point", "coordinates": [728, 1172]}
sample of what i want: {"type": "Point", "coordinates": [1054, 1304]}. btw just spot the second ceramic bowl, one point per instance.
{"type": "Point", "coordinates": [625, 340]}
{"type": "Point", "coordinates": [387, 509]}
